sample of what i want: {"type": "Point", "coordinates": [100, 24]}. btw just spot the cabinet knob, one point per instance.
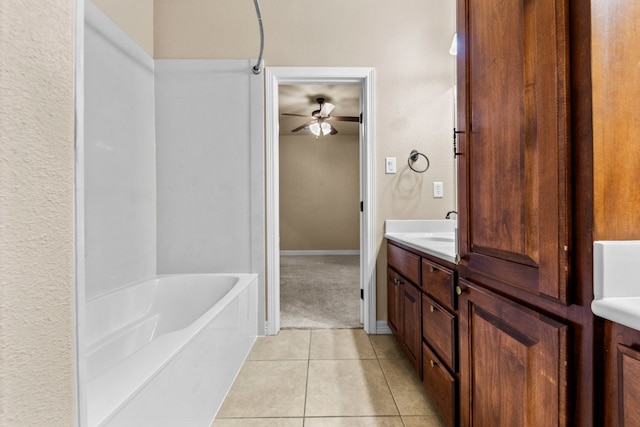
{"type": "Point", "coordinates": [432, 308]}
{"type": "Point", "coordinates": [458, 290]}
{"type": "Point", "coordinates": [432, 269]}
{"type": "Point", "coordinates": [433, 363]}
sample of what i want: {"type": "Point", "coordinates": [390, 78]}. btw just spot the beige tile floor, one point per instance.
{"type": "Point", "coordinates": [320, 378]}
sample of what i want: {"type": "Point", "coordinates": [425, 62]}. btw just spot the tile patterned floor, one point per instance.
{"type": "Point", "coordinates": [321, 378]}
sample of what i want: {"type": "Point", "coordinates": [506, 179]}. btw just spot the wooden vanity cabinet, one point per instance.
{"type": "Point", "coordinates": [421, 314]}
{"type": "Point", "coordinates": [441, 386]}
{"type": "Point", "coordinates": [525, 208]}
{"type": "Point", "coordinates": [411, 331]}
{"type": "Point", "coordinates": [621, 376]}
{"type": "Point", "coordinates": [513, 363]}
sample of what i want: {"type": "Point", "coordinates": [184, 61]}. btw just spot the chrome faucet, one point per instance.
{"type": "Point", "coordinates": [449, 214]}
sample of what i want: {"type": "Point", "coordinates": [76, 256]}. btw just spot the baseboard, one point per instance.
{"type": "Point", "coordinates": [320, 252]}
{"type": "Point", "coordinates": [382, 327]}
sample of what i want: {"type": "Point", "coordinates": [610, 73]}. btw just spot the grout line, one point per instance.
{"type": "Point", "coordinates": [395, 401]}
{"type": "Point", "coordinates": [306, 388]}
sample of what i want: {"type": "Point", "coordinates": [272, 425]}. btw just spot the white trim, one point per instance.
{"type": "Point", "coordinates": [81, 360]}
{"type": "Point", "coordinates": [319, 252]}
{"type": "Point", "coordinates": [382, 328]}
{"type": "Point", "coordinates": [258, 266]}
{"type": "Point", "coordinates": [313, 75]}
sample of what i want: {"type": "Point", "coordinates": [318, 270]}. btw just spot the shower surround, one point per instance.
{"type": "Point", "coordinates": [172, 162]}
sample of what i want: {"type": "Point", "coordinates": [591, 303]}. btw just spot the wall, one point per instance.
{"type": "Point", "coordinates": [409, 47]}
{"type": "Point", "coordinates": [119, 148]}
{"type": "Point", "coordinates": [135, 18]}
{"type": "Point", "coordinates": [37, 369]}
{"type": "Point", "coordinates": [319, 193]}
{"type": "Point", "coordinates": [616, 132]}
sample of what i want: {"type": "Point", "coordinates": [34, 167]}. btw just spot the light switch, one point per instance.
{"type": "Point", "coordinates": [389, 165]}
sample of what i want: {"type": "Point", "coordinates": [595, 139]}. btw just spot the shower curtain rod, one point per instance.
{"type": "Point", "coordinates": [258, 67]}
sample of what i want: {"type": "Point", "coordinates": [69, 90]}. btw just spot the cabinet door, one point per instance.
{"type": "Point", "coordinates": [513, 363]}
{"type": "Point", "coordinates": [411, 324]}
{"type": "Point", "coordinates": [394, 286]}
{"type": "Point", "coordinates": [513, 171]}
{"type": "Point", "coordinates": [621, 376]}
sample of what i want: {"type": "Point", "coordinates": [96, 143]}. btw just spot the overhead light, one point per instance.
{"type": "Point", "coordinates": [317, 128]}
{"type": "Point", "coordinates": [453, 50]}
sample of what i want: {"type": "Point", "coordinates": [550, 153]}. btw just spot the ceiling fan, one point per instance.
{"type": "Point", "coordinates": [321, 118]}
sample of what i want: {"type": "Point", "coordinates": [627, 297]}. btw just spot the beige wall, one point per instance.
{"type": "Point", "coordinates": [319, 193]}
{"type": "Point", "coordinates": [37, 369]}
{"type": "Point", "coordinates": [134, 17]}
{"type": "Point", "coordinates": [407, 43]}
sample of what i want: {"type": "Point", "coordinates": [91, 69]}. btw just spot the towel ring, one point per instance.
{"type": "Point", "coordinates": [413, 157]}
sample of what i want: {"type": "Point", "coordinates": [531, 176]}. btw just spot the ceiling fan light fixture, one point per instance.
{"type": "Point", "coordinates": [315, 128]}
{"type": "Point", "coordinates": [326, 128]}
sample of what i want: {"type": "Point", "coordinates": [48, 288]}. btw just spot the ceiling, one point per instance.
{"type": "Point", "coordinates": [301, 99]}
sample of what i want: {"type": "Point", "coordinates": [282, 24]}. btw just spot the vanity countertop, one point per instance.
{"type": "Point", "coordinates": [616, 283]}
{"type": "Point", "coordinates": [434, 237]}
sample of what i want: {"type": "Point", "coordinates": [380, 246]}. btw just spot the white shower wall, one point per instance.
{"type": "Point", "coordinates": [174, 154]}
{"type": "Point", "coordinates": [208, 190]}
{"type": "Point", "coordinates": [119, 186]}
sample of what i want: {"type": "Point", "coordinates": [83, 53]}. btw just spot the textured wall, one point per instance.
{"type": "Point", "coordinates": [319, 193]}
{"type": "Point", "coordinates": [37, 380]}
{"type": "Point", "coordinates": [407, 43]}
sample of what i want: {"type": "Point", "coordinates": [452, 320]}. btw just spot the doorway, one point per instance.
{"type": "Point", "coordinates": [363, 77]}
{"type": "Point", "coordinates": [320, 206]}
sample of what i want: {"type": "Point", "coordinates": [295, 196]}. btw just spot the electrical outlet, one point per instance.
{"type": "Point", "coordinates": [389, 165]}
{"type": "Point", "coordinates": [438, 190]}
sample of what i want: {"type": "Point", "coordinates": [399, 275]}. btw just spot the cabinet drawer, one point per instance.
{"type": "Point", "coordinates": [437, 281]}
{"type": "Point", "coordinates": [440, 385]}
{"type": "Point", "coordinates": [405, 262]}
{"type": "Point", "coordinates": [439, 330]}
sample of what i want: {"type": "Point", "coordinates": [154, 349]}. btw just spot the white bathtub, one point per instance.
{"type": "Point", "coordinates": [165, 351]}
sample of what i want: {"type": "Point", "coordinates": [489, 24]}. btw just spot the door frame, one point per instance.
{"type": "Point", "coordinates": [274, 77]}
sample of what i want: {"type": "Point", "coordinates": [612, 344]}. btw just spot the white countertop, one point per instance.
{"type": "Point", "coordinates": [616, 283]}
{"type": "Point", "coordinates": [434, 237]}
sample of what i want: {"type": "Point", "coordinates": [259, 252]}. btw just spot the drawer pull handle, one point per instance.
{"type": "Point", "coordinates": [458, 290]}
{"type": "Point", "coordinates": [432, 308]}
{"type": "Point", "coordinates": [433, 363]}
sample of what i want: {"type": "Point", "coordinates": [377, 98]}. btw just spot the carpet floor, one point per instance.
{"type": "Point", "coordinates": [320, 291]}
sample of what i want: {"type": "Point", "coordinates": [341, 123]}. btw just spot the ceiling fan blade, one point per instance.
{"type": "Point", "coordinates": [326, 109]}
{"type": "Point", "coordinates": [304, 125]}
{"type": "Point", "coordinates": [297, 115]}
{"type": "Point", "coordinates": [345, 118]}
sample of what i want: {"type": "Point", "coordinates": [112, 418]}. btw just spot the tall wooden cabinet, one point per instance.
{"type": "Point", "coordinates": [514, 212]}
{"type": "Point", "coordinates": [526, 329]}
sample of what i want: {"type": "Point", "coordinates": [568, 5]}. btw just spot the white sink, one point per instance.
{"type": "Point", "coordinates": [616, 283]}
